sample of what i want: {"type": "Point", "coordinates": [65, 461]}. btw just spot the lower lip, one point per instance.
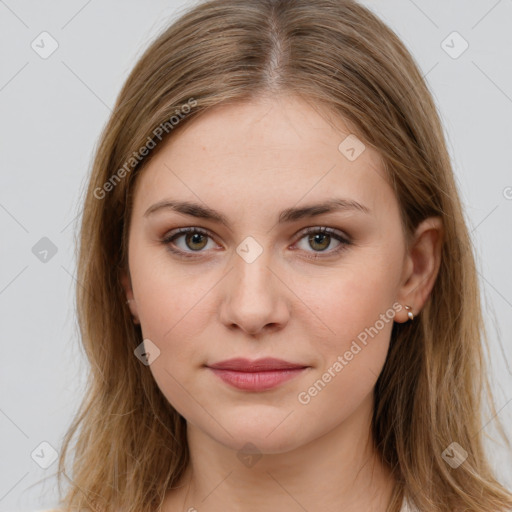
{"type": "Point", "coordinates": [257, 381]}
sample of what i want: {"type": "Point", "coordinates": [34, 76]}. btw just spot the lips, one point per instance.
{"type": "Point", "coordinates": [258, 375]}
{"type": "Point", "coordinates": [259, 365]}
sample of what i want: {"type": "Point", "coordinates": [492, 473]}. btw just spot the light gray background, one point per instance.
{"type": "Point", "coordinates": [52, 112]}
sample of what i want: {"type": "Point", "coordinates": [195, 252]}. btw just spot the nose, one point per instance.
{"type": "Point", "coordinates": [254, 297]}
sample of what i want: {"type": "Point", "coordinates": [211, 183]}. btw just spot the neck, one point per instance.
{"type": "Point", "coordinates": [340, 467]}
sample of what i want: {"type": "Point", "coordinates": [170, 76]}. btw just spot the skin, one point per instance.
{"type": "Point", "coordinates": [250, 161]}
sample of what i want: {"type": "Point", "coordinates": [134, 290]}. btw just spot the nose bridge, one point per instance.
{"type": "Point", "coordinates": [252, 275]}
{"type": "Point", "coordinates": [253, 298]}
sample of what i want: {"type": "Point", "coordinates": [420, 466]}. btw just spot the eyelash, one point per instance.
{"type": "Point", "coordinates": [344, 242]}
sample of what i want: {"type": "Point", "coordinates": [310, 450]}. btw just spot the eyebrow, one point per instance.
{"type": "Point", "coordinates": [286, 216]}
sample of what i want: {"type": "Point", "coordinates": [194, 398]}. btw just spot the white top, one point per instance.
{"type": "Point", "coordinates": [407, 507]}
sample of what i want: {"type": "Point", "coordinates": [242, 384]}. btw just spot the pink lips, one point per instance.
{"type": "Point", "coordinates": [258, 375]}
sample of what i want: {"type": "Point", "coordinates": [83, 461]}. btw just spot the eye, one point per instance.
{"type": "Point", "coordinates": [194, 240]}
{"type": "Point", "coordinates": [320, 238]}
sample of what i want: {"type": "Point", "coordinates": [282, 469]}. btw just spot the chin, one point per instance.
{"type": "Point", "coordinates": [255, 442]}
{"type": "Point", "coordinates": [257, 432]}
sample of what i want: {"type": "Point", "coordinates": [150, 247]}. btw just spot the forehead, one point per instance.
{"type": "Point", "coordinates": [270, 152]}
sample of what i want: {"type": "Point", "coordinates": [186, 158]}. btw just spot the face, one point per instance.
{"type": "Point", "coordinates": [259, 273]}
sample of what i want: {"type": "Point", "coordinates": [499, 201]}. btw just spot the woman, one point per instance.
{"type": "Point", "coordinates": [278, 294]}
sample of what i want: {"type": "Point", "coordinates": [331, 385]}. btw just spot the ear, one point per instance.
{"type": "Point", "coordinates": [421, 267]}
{"type": "Point", "coordinates": [127, 286]}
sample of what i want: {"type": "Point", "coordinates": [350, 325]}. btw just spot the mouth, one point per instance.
{"type": "Point", "coordinates": [258, 375]}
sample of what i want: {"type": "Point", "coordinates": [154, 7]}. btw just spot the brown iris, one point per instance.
{"type": "Point", "coordinates": [319, 237]}
{"type": "Point", "coordinates": [195, 238]}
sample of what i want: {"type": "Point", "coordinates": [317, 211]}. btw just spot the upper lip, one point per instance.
{"type": "Point", "coordinates": [258, 365]}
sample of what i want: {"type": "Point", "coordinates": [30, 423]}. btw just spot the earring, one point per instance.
{"type": "Point", "coordinates": [410, 314]}
{"type": "Point", "coordinates": [128, 301]}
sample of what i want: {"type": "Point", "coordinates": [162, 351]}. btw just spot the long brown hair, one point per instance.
{"type": "Point", "coordinates": [130, 444]}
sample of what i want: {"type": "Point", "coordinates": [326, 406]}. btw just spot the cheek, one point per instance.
{"type": "Point", "coordinates": [351, 304]}
{"type": "Point", "coordinates": [170, 298]}
{"type": "Point", "coordinates": [357, 309]}
{"type": "Point", "coordinates": [172, 308]}
{"type": "Point", "coordinates": [360, 318]}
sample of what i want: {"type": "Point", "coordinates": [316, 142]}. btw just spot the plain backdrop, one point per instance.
{"type": "Point", "coordinates": [52, 112]}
